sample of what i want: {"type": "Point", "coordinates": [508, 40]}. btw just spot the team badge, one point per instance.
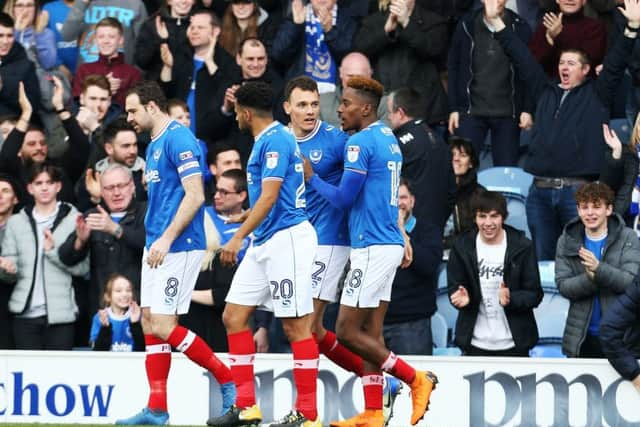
{"type": "Point", "coordinates": [315, 156]}
{"type": "Point", "coordinates": [157, 154]}
{"type": "Point", "coordinates": [272, 159]}
{"type": "Point", "coordinates": [353, 152]}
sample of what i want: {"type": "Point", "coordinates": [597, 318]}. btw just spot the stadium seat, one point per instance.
{"type": "Point", "coordinates": [622, 128]}
{"type": "Point", "coordinates": [442, 276]}
{"type": "Point", "coordinates": [516, 208]}
{"type": "Point", "coordinates": [547, 271]}
{"type": "Point", "coordinates": [448, 311]}
{"type": "Point", "coordinates": [439, 330]}
{"type": "Point", "coordinates": [551, 316]}
{"type": "Point", "coordinates": [506, 180]}
{"type": "Point", "coordinates": [547, 350]}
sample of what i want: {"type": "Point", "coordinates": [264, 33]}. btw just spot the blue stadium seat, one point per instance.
{"type": "Point", "coordinates": [439, 330]}
{"type": "Point", "coordinates": [547, 350]}
{"type": "Point", "coordinates": [506, 180]}
{"type": "Point", "coordinates": [622, 128]}
{"type": "Point", "coordinates": [442, 276]}
{"type": "Point", "coordinates": [448, 311]}
{"type": "Point", "coordinates": [551, 316]}
{"type": "Point", "coordinates": [547, 271]}
{"type": "Point", "coordinates": [516, 206]}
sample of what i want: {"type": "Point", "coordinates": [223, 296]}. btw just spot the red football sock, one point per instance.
{"type": "Point", "coordinates": [242, 351]}
{"type": "Point", "coordinates": [197, 350]}
{"type": "Point", "coordinates": [157, 364]}
{"type": "Point", "coordinates": [305, 374]}
{"type": "Point", "coordinates": [372, 388]}
{"type": "Point", "coordinates": [398, 368]}
{"type": "Point", "coordinates": [339, 354]}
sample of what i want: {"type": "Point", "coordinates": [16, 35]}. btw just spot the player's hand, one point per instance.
{"type": "Point", "coordinates": [7, 265]}
{"type": "Point", "coordinates": [239, 218]}
{"type": "Point", "coordinates": [460, 298]}
{"type": "Point", "coordinates": [103, 315]}
{"type": "Point", "coordinates": [158, 251]}
{"type": "Point", "coordinates": [134, 312]}
{"type": "Point", "coordinates": [308, 169]}
{"type": "Point", "coordinates": [48, 243]}
{"type": "Point", "coordinates": [261, 339]}
{"type": "Point", "coordinates": [229, 252]}
{"type": "Point", "coordinates": [504, 295]}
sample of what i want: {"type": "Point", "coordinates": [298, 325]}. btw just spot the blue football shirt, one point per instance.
{"type": "Point", "coordinates": [324, 147]}
{"type": "Point", "coordinates": [171, 157]}
{"type": "Point", "coordinates": [227, 230]}
{"type": "Point", "coordinates": [373, 220]}
{"type": "Point", "coordinates": [275, 156]}
{"type": "Point", "coordinates": [121, 337]}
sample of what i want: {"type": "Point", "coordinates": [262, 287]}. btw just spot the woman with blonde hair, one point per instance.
{"type": "Point", "coordinates": [243, 19]}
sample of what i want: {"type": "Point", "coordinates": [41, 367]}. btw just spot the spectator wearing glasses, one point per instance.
{"type": "Point", "coordinates": [112, 232]}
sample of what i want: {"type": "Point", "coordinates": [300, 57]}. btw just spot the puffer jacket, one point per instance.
{"type": "Point", "coordinates": [618, 268]}
{"type": "Point", "coordinates": [20, 245]}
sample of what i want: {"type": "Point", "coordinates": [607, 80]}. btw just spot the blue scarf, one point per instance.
{"type": "Point", "coordinates": [319, 65]}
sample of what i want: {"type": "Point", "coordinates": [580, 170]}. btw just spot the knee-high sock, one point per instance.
{"type": "Point", "coordinates": [157, 364]}
{"type": "Point", "coordinates": [305, 375]}
{"type": "Point", "coordinates": [398, 368]}
{"type": "Point", "coordinates": [372, 388]}
{"type": "Point", "coordinates": [242, 352]}
{"type": "Point", "coordinates": [198, 351]}
{"type": "Point", "coordinates": [339, 354]}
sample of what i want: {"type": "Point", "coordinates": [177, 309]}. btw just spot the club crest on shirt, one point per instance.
{"type": "Point", "coordinates": [157, 154]}
{"type": "Point", "coordinates": [272, 159]}
{"type": "Point", "coordinates": [315, 156]}
{"type": "Point", "coordinates": [353, 152]}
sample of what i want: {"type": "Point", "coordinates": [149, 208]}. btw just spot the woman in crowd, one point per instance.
{"type": "Point", "coordinates": [245, 18]}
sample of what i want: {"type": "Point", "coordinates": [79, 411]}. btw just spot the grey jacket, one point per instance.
{"type": "Point", "coordinates": [618, 267]}
{"type": "Point", "coordinates": [20, 246]}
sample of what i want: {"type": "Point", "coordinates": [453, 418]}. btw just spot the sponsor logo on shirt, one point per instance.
{"type": "Point", "coordinates": [272, 159]}
{"type": "Point", "coordinates": [152, 175]}
{"type": "Point", "coordinates": [353, 152]}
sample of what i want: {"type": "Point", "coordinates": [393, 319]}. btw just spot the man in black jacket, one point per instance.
{"type": "Point", "coordinates": [426, 159]}
{"type": "Point", "coordinates": [567, 147]}
{"type": "Point", "coordinates": [407, 324]}
{"type": "Point", "coordinates": [214, 70]}
{"type": "Point", "coordinates": [493, 281]}
{"type": "Point", "coordinates": [113, 234]}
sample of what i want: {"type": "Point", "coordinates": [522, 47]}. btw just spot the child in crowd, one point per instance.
{"type": "Point", "coordinates": [179, 111]}
{"type": "Point", "coordinates": [110, 63]}
{"type": "Point", "coordinates": [117, 326]}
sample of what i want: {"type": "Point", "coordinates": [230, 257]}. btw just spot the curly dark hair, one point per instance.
{"type": "Point", "coordinates": [594, 192]}
{"type": "Point", "coordinates": [256, 95]}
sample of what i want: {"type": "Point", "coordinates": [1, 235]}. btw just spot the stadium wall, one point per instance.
{"type": "Point", "coordinates": [97, 388]}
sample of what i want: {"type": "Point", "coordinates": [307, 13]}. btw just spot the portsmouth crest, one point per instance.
{"type": "Point", "coordinates": [353, 152]}
{"type": "Point", "coordinates": [315, 156]}
{"type": "Point", "coordinates": [157, 154]}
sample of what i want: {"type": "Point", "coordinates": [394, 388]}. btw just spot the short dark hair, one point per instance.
{"type": "Point", "coordinates": [239, 178]}
{"type": "Point", "coordinates": [487, 201]}
{"type": "Point", "coordinates": [251, 41]}
{"type": "Point", "coordinates": [584, 56]}
{"type": "Point", "coordinates": [404, 181]}
{"type": "Point", "coordinates": [6, 20]}
{"type": "Point", "coordinates": [410, 101]}
{"type": "Point", "coordinates": [594, 192]}
{"type": "Point", "coordinates": [118, 125]}
{"type": "Point", "coordinates": [213, 18]}
{"type": "Point", "coordinates": [220, 147]}
{"type": "Point", "coordinates": [95, 80]}
{"type": "Point", "coordinates": [465, 145]}
{"type": "Point", "coordinates": [149, 90]}
{"type": "Point", "coordinates": [369, 89]}
{"type": "Point", "coordinates": [110, 22]}
{"type": "Point", "coordinates": [305, 83]}
{"type": "Point", "coordinates": [36, 128]}
{"type": "Point", "coordinates": [54, 172]}
{"type": "Point", "coordinates": [5, 177]}
{"type": "Point", "coordinates": [256, 95]}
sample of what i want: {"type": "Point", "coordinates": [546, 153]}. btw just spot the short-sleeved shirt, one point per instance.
{"type": "Point", "coordinates": [373, 219]}
{"type": "Point", "coordinates": [172, 156]}
{"type": "Point", "coordinates": [121, 337]}
{"type": "Point", "coordinates": [324, 147]}
{"type": "Point", "coordinates": [275, 156]}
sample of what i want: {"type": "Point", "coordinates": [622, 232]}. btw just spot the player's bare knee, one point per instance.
{"type": "Point", "coordinates": [162, 326]}
{"type": "Point", "coordinates": [235, 319]}
{"type": "Point", "coordinates": [296, 329]}
{"type": "Point", "coordinates": [344, 332]}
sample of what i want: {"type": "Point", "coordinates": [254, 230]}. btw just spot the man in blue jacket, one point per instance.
{"type": "Point", "coordinates": [567, 147]}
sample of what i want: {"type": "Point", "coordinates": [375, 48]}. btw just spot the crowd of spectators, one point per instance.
{"type": "Point", "coordinates": [478, 74]}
